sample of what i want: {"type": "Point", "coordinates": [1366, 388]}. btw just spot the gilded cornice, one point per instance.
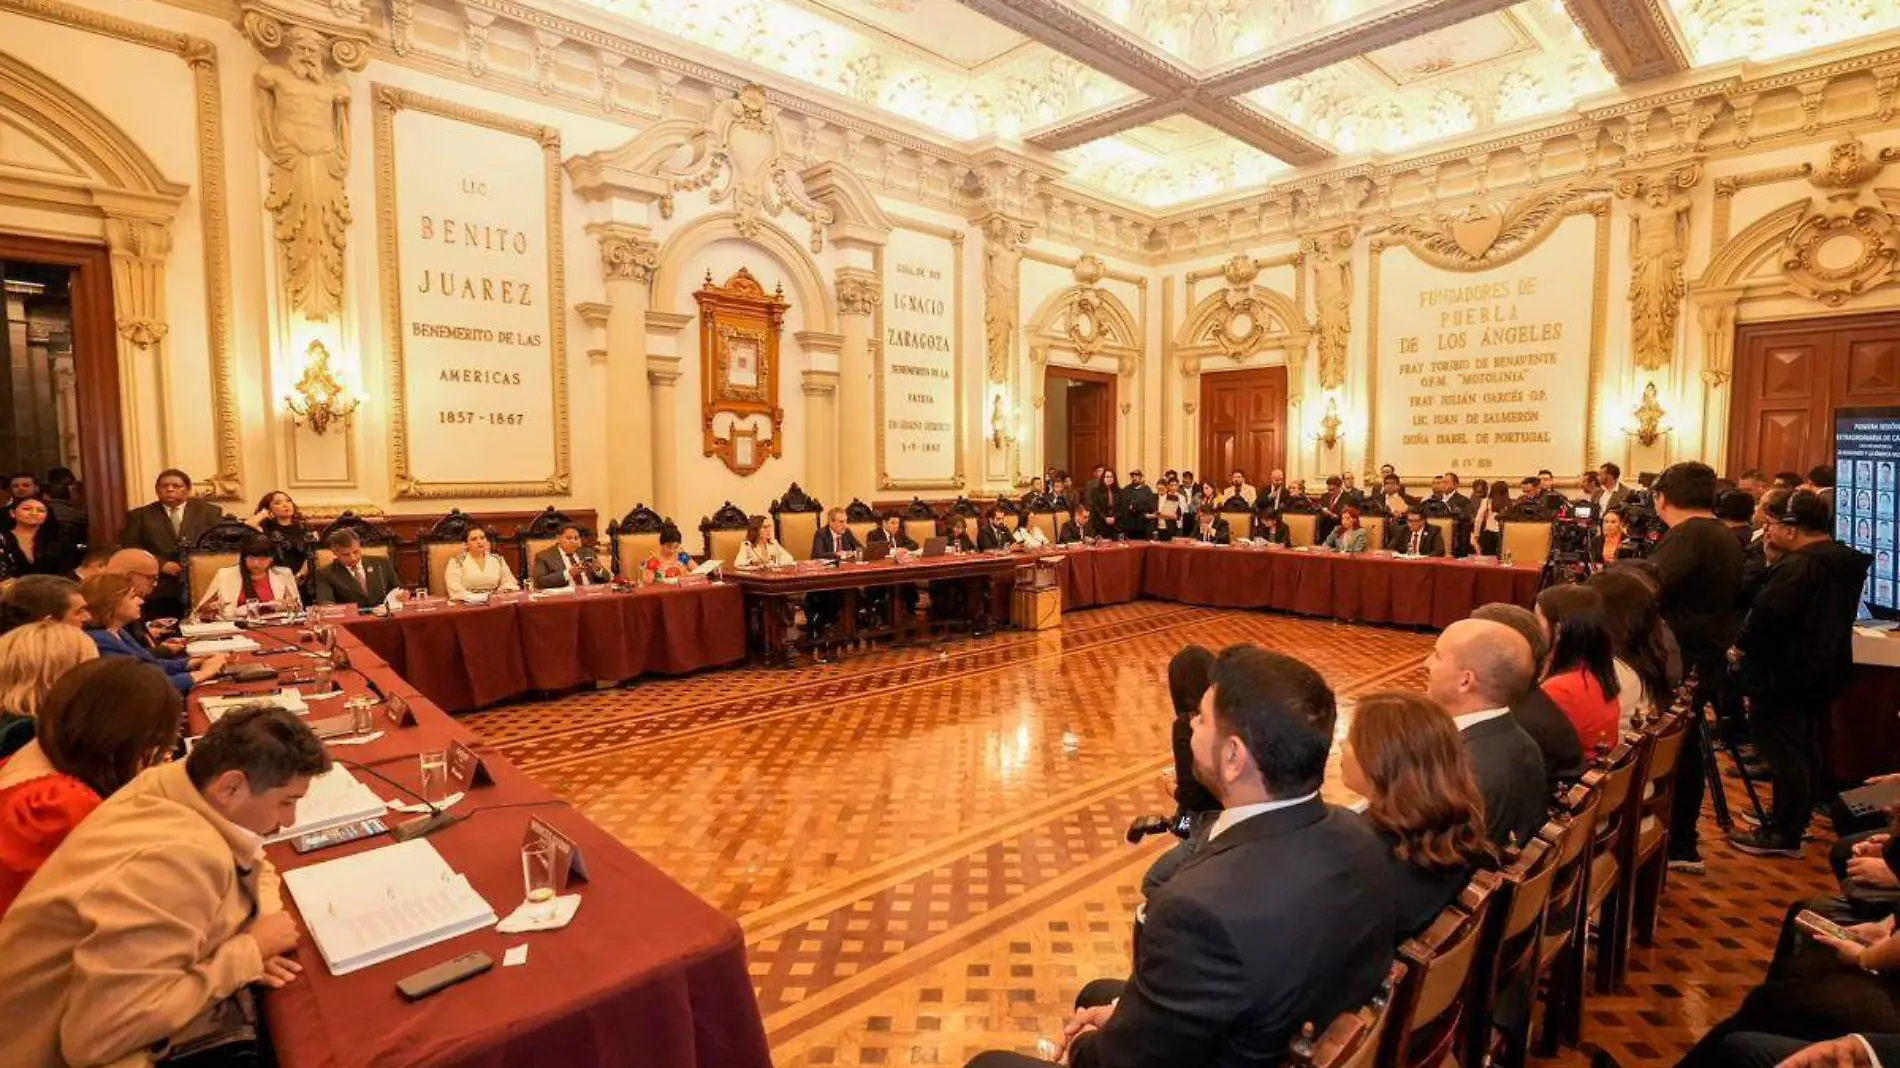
{"type": "Point", "coordinates": [1637, 38]}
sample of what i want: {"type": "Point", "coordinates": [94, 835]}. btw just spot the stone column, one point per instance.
{"type": "Point", "coordinates": [628, 258]}
{"type": "Point", "coordinates": [859, 294]}
{"type": "Point", "coordinates": [821, 437]}
{"type": "Point", "coordinates": [662, 373]}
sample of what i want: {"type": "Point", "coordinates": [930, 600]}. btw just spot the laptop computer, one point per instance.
{"type": "Point", "coordinates": [935, 546]}
{"type": "Point", "coordinates": [876, 550]}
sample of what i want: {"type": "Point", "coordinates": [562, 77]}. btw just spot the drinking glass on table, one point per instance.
{"type": "Point", "coordinates": [435, 776]}
{"type": "Point", "coordinates": [537, 877]}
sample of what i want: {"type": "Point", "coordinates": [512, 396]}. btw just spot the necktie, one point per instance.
{"type": "Point", "coordinates": [361, 579]}
{"type": "Point", "coordinates": [568, 562]}
{"type": "Point", "coordinates": [177, 516]}
{"type": "Point", "coordinates": [1416, 536]}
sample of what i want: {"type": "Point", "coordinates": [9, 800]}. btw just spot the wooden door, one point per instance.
{"type": "Point", "coordinates": [1091, 409]}
{"type": "Point", "coordinates": [1790, 377]}
{"type": "Point", "coordinates": [1243, 424]}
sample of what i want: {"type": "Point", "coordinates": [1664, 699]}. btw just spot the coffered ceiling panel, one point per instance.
{"type": "Point", "coordinates": [1206, 34]}
{"type": "Point", "coordinates": [1722, 30]}
{"type": "Point", "coordinates": [1170, 162]}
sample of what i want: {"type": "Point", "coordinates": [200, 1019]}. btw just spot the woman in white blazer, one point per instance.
{"type": "Point", "coordinates": [477, 570]}
{"type": "Point", "coordinates": [251, 581]}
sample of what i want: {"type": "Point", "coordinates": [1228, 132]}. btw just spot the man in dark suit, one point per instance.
{"type": "Point", "coordinates": [1476, 670]}
{"type": "Point", "coordinates": [1445, 492]}
{"type": "Point", "coordinates": [1534, 710]}
{"type": "Point", "coordinates": [564, 564]}
{"type": "Point", "coordinates": [834, 538]}
{"type": "Point", "coordinates": [1275, 496]}
{"type": "Point", "coordinates": [995, 534]}
{"type": "Point", "coordinates": [1076, 528]}
{"type": "Point", "coordinates": [354, 578]}
{"type": "Point", "coordinates": [1284, 916]}
{"type": "Point", "coordinates": [1210, 528]}
{"type": "Point", "coordinates": [163, 528]}
{"type": "Point", "coordinates": [1416, 537]}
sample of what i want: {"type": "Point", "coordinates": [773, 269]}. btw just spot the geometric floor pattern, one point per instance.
{"type": "Point", "coordinates": [925, 846]}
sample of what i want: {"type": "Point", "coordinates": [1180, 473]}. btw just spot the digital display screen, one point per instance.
{"type": "Point", "coordinates": [1866, 455]}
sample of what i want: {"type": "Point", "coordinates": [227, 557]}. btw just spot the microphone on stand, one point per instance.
{"type": "Point", "coordinates": [438, 818]}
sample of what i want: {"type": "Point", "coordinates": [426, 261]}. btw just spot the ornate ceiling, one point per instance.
{"type": "Point", "coordinates": [1160, 103]}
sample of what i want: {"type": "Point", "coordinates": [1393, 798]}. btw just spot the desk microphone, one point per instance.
{"type": "Point", "coordinates": [438, 818]}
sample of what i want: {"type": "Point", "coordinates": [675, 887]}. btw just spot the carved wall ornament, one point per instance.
{"type": "Point", "coordinates": [627, 256]}
{"type": "Point", "coordinates": [1331, 256]}
{"type": "Point", "coordinates": [1003, 241]}
{"type": "Point", "coordinates": [1483, 236]}
{"type": "Point", "coordinates": [740, 154]}
{"type": "Point", "coordinates": [739, 327]}
{"type": "Point", "coordinates": [139, 248]}
{"type": "Point", "coordinates": [1847, 246]}
{"type": "Point", "coordinates": [303, 127]}
{"type": "Point", "coordinates": [1659, 244]}
{"type": "Point", "coordinates": [859, 292]}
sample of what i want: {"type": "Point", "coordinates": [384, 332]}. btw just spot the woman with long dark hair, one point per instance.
{"type": "Point", "coordinates": [1404, 756]}
{"type": "Point", "coordinates": [1488, 525]}
{"type": "Point", "coordinates": [1581, 678]}
{"type": "Point", "coordinates": [30, 542]}
{"type": "Point", "coordinates": [1105, 501]}
{"type": "Point", "coordinates": [279, 519]}
{"type": "Point", "coordinates": [1642, 657]}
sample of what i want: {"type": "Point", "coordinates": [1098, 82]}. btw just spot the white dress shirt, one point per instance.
{"type": "Point", "coordinates": [1230, 817]}
{"type": "Point", "coordinates": [1472, 719]}
{"type": "Point", "coordinates": [770, 554]}
{"type": "Point", "coordinates": [467, 576]}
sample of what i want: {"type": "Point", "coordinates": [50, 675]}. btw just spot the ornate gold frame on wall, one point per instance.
{"type": "Point", "coordinates": [388, 100]}
{"type": "Point", "coordinates": [227, 482]}
{"type": "Point", "coordinates": [740, 310]}
{"type": "Point", "coordinates": [1534, 230]}
{"type": "Point", "coordinates": [958, 479]}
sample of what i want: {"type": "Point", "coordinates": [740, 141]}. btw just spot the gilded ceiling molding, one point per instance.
{"type": "Point", "coordinates": [1483, 236]}
{"type": "Point", "coordinates": [1636, 38]}
{"type": "Point", "coordinates": [1659, 245]}
{"type": "Point", "coordinates": [1331, 256]}
{"type": "Point", "coordinates": [201, 57]}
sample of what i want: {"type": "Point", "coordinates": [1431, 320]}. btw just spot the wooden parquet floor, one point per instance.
{"type": "Point", "coordinates": [925, 847]}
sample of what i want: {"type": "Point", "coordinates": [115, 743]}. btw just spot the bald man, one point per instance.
{"type": "Point", "coordinates": [142, 568]}
{"type": "Point", "coordinates": [1477, 668]}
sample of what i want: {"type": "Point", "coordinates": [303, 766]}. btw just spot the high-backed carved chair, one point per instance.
{"type": "Point", "coordinates": [1612, 868]}
{"type": "Point", "coordinates": [633, 538]}
{"type": "Point", "coordinates": [1563, 949]}
{"type": "Point", "coordinates": [1239, 516]}
{"type": "Point", "coordinates": [797, 515]}
{"type": "Point", "coordinates": [213, 550]}
{"type": "Point", "coordinates": [861, 518]}
{"type": "Point", "coordinates": [1430, 1008]}
{"type": "Point", "coordinates": [376, 541]}
{"type": "Point", "coordinates": [1375, 529]}
{"type": "Point", "coordinates": [1353, 1040]}
{"type": "Point", "coordinates": [1653, 808]}
{"type": "Point", "coordinates": [1508, 968]}
{"type": "Point", "coordinates": [1302, 528]}
{"type": "Point", "coordinates": [920, 522]}
{"type": "Point", "coordinates": [724, 531]}
{"type": "Point", "coordinates": [966, 513]}
{"type": "Point", "coordinates": [440, 544]}
{"type": "Point", "coordinates": [1447, 527]}
{"type": "Point", "coordinates": [1012, 512]}
{"type": "Point", "coordinates": [1045, 523]}
{"type": "Point", "coordinates": [540, 533]}
{"type": "Point", "coordinates": [1527, 540]}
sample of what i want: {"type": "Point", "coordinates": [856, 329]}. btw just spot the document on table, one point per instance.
{"type": "Point", "coordinates": [289, 700]}
{"type": "Point", "coordinates": [375, 906]}
{"type": "Point", "coordinates": [236, 643]}
{"type": "Point", "coordinates": [217, 628]}
{"type": "Point", "coordinates": [335, 798]}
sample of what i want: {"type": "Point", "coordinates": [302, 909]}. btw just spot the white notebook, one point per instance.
{"type": "Point", "coordinates": [220, 628]}
{"type": "Point", "coordinates": [335, 798]}
{"type": "Point", "coordinates": [375, 906]}
{"type": "Point", "coordinates": [237, 643]}
{"type": "Point", "coordinates": [290, 700]}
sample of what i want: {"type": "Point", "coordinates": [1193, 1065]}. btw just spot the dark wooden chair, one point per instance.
{"type": "Point", "coordinates": [440, 544]}
{"type": "Point", "coordinates": [1239, 516]}
{"type": "Point", "coordinates": [861, 518]}
{"type": "Point", "coordinates": [1508, 968]}
{"type": "Point", "coordinates": [798, 515]}
{"type": "Point", "coordinates": [1354, 1039]}
{"type": "Point", "coordinates": [724, 531]}
{"type": "Point", "coordinates": [541, 532]}
{"type": "Point", "coordinates": [1654, 805]}
{"type": "Point", "coordinates": [633, 538]}
{"type": "Point", "coordinates": [1563, 951]}
{"type": "Point", "coordinates": [1430, 1009]}
{"type": "Point", "coordinates": [1613, 868]}
{"type": "Point", "coordinates": [965, 513]}
{"type": "Point", "coordinates": [921, 523]}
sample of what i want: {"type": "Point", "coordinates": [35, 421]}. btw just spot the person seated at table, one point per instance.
{"type": "Point", "coordinates": [761, 548]}
{"type": "Point", "coordinates": [995, 534]}
{"type": "Point", "coordinates": [1076, 528]}
{"type": "Point", "coordinates": [565, 563]}
{"type": "Point", "coordinates": [1614, 543]}
{"type": "Point", "coordinates": [1348, 536]}
{"type": "Point", "coordinates": [1416, 537]}
{"type": "Point", "coordinates": [32, 660]}
{"type": "Point", "coordinates": [354, 577]}
{"type": "Point", "coordinates": [835, 538]}
{"type": "Point", "coordinates": [32, 598]}
{"type": "Point", "coordinates": [102, 723]}
{"type": "Point", "coordinates": [1211, 529]}
{"type": "Point", "coordinates": [669, 562]}
{"type": "Point", "coordinates": [160, 904]}
{"type": "Point", "coordinates": [890, 531]}
{"type": "Point", "coordinates": [1271, 528]}
{"type": "Point", "coordinates": [477, 571]}
{"type": "Point", "coordinates": [1581, 677]}
{"type": "Point", "coordinates": [1028, 536]}
{"type": "Point", "coordinates": [112, 604]}
{"type": "Point", "coordinates": [255, 582]}
{"type": "Point", "coordinates": [1403, 755]}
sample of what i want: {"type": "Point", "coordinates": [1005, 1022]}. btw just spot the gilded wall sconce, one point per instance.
{"type": "Point", "coordinates": [1329, 425]}
{"type": "Point", "coordinates": [319, 398]}
{"type": "Point", "coordinates": [1649, 422]}
{"type": "Point", "coordinates": [1000, 436]}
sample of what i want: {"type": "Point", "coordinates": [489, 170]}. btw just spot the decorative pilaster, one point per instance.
{"type": "Point", "coordinates": [821, 431]}
{"type": "Point", "coordinates": [860, 292]}
{"type": "Point", "coordinates": [663, 372]}
{"type": "Point", "coordinates": [139, 248]}
{"type": "Point", "coordinates": [628, 258]}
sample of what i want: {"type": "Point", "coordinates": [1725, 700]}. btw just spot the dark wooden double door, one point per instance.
{"type": "Point", "coordinates": [1243, 424]}
{"type": "Point", "coordinates": [1790, 377]}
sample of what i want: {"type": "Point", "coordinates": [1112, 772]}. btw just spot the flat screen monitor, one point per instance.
{"type": "Point", "coordinates": [1866, 457]}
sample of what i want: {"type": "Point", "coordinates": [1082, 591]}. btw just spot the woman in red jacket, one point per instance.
{"type": "Point", "coordinates": [1581, 677]}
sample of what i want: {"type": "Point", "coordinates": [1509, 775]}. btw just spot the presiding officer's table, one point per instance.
{"type": "Point", "coordinates": [1099, 574]}
{"type": "Point", "coordinates": [469, 657]}
{"type": "Point", "coordinates": [646, 975]}
{"type": "Point", "coordinates": [1364, 587]}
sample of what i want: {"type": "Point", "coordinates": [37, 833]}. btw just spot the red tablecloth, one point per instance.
{"type": "Point", "coordinates": [647, 975]}
{"type": "Point", "coordinates": [1363, 588]}
{"type": "Point", "coordinates": [468, 658]}
{"type": "Point", "coordinates": [1106, 574]}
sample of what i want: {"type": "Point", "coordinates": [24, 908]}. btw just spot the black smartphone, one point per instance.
{"type": "Point", "coordinates": [446, 974]}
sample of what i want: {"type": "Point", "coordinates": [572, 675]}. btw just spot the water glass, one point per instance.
{"type": "Point", "coordinates": [361, 719]}
{"type": "Point", "coordinates": [435, 776]}
{"type": "Point", "coordinates": [537, 877]}
{"type": "Point", "coordinates": [322, 671]}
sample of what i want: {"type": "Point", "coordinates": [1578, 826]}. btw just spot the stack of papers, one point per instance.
{"type": "Point", "coordinates": [335, 798]}
{"type": "Point", "coordinates": [237, 643]}
{"type": "Point", "coordinates": [374, 906]}
{"type": "Point", "coordinates": [290, 700]}
{"type": "Point", "coordinates": [219, 628]}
